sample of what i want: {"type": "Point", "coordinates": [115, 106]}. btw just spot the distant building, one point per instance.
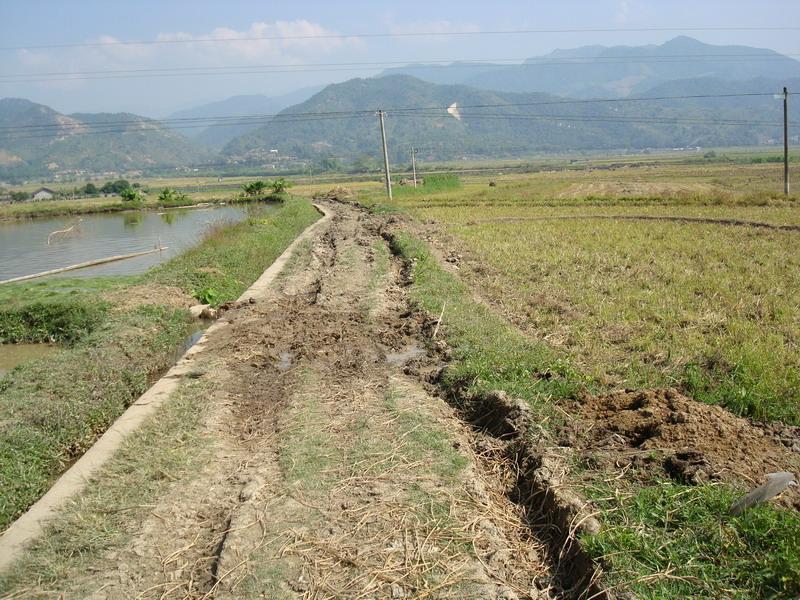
{"type": "Point", "coordinates": [43, 194]}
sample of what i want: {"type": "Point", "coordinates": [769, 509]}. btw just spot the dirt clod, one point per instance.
{"type": "Point", "coordinates": [690, 441]}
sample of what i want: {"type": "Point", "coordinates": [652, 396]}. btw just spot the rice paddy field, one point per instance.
{"type": "Point", "coordinates": [675, 275]}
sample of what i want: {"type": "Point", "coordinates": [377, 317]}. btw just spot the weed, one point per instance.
{"type": "Point", "coordinates": [672, 541]}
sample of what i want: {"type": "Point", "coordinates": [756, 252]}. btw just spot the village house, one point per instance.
{"type": "Point", "coordinates": [43, 194]}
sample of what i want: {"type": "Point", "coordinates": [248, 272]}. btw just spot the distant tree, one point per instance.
{"type": "Point", "coordinates": [19, 196]}
{"type": "Point", "coordinates": [280, 185]}
{"type": "Point", "coordinates": [330, 164]}
{"type": "Point", "coordinates": [131, 195]}
{"type": "Point", "coordinates": [170, 197]}
{"type": "Point", "coordinates": [255, 189]}
{"type": "Point", "coordinates": [115, 187]}
{"type": "Point", "coordinates": [90, 189]}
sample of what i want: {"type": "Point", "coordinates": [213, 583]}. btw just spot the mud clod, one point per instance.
{"type": "Point", "coordinates": [696, 442]}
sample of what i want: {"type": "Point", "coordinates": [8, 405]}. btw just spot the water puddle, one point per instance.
{"type": "Point", "coordinates": [406, 355]}
{"type": "Point", "coordinates": [12, 355]}
{"type": "Point", "coordinates": [198, 329]}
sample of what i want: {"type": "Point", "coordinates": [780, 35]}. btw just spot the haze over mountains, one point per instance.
{"type": "Point", "coordinates": [618, 71]}
{"type": "Point", "coordinates": [216, 134]}
{"type": "Point", "coordinates": [504, 111]}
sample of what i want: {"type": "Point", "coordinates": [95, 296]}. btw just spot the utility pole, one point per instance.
{"type": "Point", "coordinates": [385, 157]}
{"type": "Point", "coordinates": [786, 141]}
{"type": "Point", "coordinates": [414, 164]}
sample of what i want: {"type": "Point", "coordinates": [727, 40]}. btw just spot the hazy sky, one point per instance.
{"type": "Point", "coordinates": [39, 22]}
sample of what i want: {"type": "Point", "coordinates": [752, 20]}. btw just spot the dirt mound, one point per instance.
{"type": "Point", "coordinates": [336, 194]}
{"type": "Point", "coordinates": [688, 440]}
{"type": "Point", "coordinates": [152, 293]}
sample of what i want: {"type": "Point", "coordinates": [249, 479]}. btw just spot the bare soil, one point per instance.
{"type": "Point", "coordinates": [665, 433]}
{"type": "Point", "coordinates": [332, 471]}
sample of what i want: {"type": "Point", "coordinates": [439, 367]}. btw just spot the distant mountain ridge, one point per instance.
{"type": "Point", "coordinates": [618, 71]}
{"type": "Point", "coordinates": [216, 135]}
{"type": "Point", "coordinates": [35, 139]}
{"type": "Point", "coordinates": [496, 124]}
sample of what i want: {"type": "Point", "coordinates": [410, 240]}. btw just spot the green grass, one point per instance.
{"type": "Point", "coordinates": [114, 503]}
{"type": "Point", "coordinates": [430, 184]}
{"type": "Point", "coordinates": [232, 257]}
{"type": "Point", "coordinates": [62, 320]}
{"type": "Point", "coordinates": [672, 541]}
{"type": "Point", "coordinates": [53, 409]}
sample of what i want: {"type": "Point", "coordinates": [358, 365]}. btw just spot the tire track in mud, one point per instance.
{"type": "Point", "coordinates": [333, 471]}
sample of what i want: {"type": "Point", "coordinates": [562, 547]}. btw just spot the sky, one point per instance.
{"type": "Point", "coordinates": [29, 23]}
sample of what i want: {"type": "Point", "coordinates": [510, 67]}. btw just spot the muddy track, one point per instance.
{"type": "Point", "coordinates": [334, 469]}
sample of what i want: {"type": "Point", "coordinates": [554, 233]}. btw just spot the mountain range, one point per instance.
{"type": "Point", "coordinates": [497, 111]}
{"type": "Point", "coordinates": [36, 140]}
{"type": "Point", "coordinates": [491, 124]}
{"type": "Point", "coordinates": [253, 110]}
{"type": "Point", "coordinates": [616, 71]}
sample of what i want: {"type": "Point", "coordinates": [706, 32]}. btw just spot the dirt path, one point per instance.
{"type": "Point", "coordinates": [331, 473]}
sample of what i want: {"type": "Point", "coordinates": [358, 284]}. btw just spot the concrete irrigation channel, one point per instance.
{"type": "Point", "coordinates": [330, 466]}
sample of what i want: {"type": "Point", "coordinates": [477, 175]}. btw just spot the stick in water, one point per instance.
{"type": "Point", "coordinates": [83, 265]}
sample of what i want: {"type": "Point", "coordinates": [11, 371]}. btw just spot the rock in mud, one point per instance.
{"type": "Point", "coordinates": [197, 310]}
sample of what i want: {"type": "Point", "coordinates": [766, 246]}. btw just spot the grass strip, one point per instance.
{"type": "Point", "coordinates": [110, 510]}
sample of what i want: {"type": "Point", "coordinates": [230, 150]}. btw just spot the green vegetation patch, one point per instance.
{"type": "Point", "coordinates": [673, 541]}
{"type": "Point", "coordinates": [62, 321]}
{"type": "Point", "coordinates": [231, 257]}
{"type": "Point", "coordinates": [52, 410]}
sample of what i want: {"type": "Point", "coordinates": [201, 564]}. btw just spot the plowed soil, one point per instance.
{"type": "Point", "coordinates": [665, 432]}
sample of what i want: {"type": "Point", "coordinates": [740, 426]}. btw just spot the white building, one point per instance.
{"type": "Point", "coordinates": [43, 194]}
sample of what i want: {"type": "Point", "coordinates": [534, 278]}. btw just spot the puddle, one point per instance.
{"type": "Point", "coordinates": [190, 340]}
{"type": "Point", "coordinates": [404, 356]}
{"type": "Point", "coordinates": [12, 355]}
{"type": "Point", "coordinates": [285, 362]}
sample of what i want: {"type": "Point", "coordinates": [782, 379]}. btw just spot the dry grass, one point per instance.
{"type": "Point", "coordinates": [708, 307]}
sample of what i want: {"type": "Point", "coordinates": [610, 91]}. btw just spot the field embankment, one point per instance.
{"type": "Point", "coordinates": [116, 336]}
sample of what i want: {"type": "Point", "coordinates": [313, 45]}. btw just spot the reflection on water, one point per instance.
{"type": "Point", "coordinates": [24, 249]}
{"type": "Point", "coordinates": [12, 355]}
{"type": "Point", "coordinates": [133, 219]}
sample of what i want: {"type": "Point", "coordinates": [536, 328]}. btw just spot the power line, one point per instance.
{"type": "Point", "coordinates": [194, 122]}
{"type": "Point", "coordinates": [506, 117]}
{"type": "Point", "coordinates": [328, 36]}
{"type": "Point", "coordinates": [347, 66]}
{"type": "Point", "coordinates": [529, 63]}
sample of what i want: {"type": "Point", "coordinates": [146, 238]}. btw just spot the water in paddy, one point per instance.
{"type": "Point", "coordinates": [24, 249]}
{"type": "Point", "coordinates": [12, 355]}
